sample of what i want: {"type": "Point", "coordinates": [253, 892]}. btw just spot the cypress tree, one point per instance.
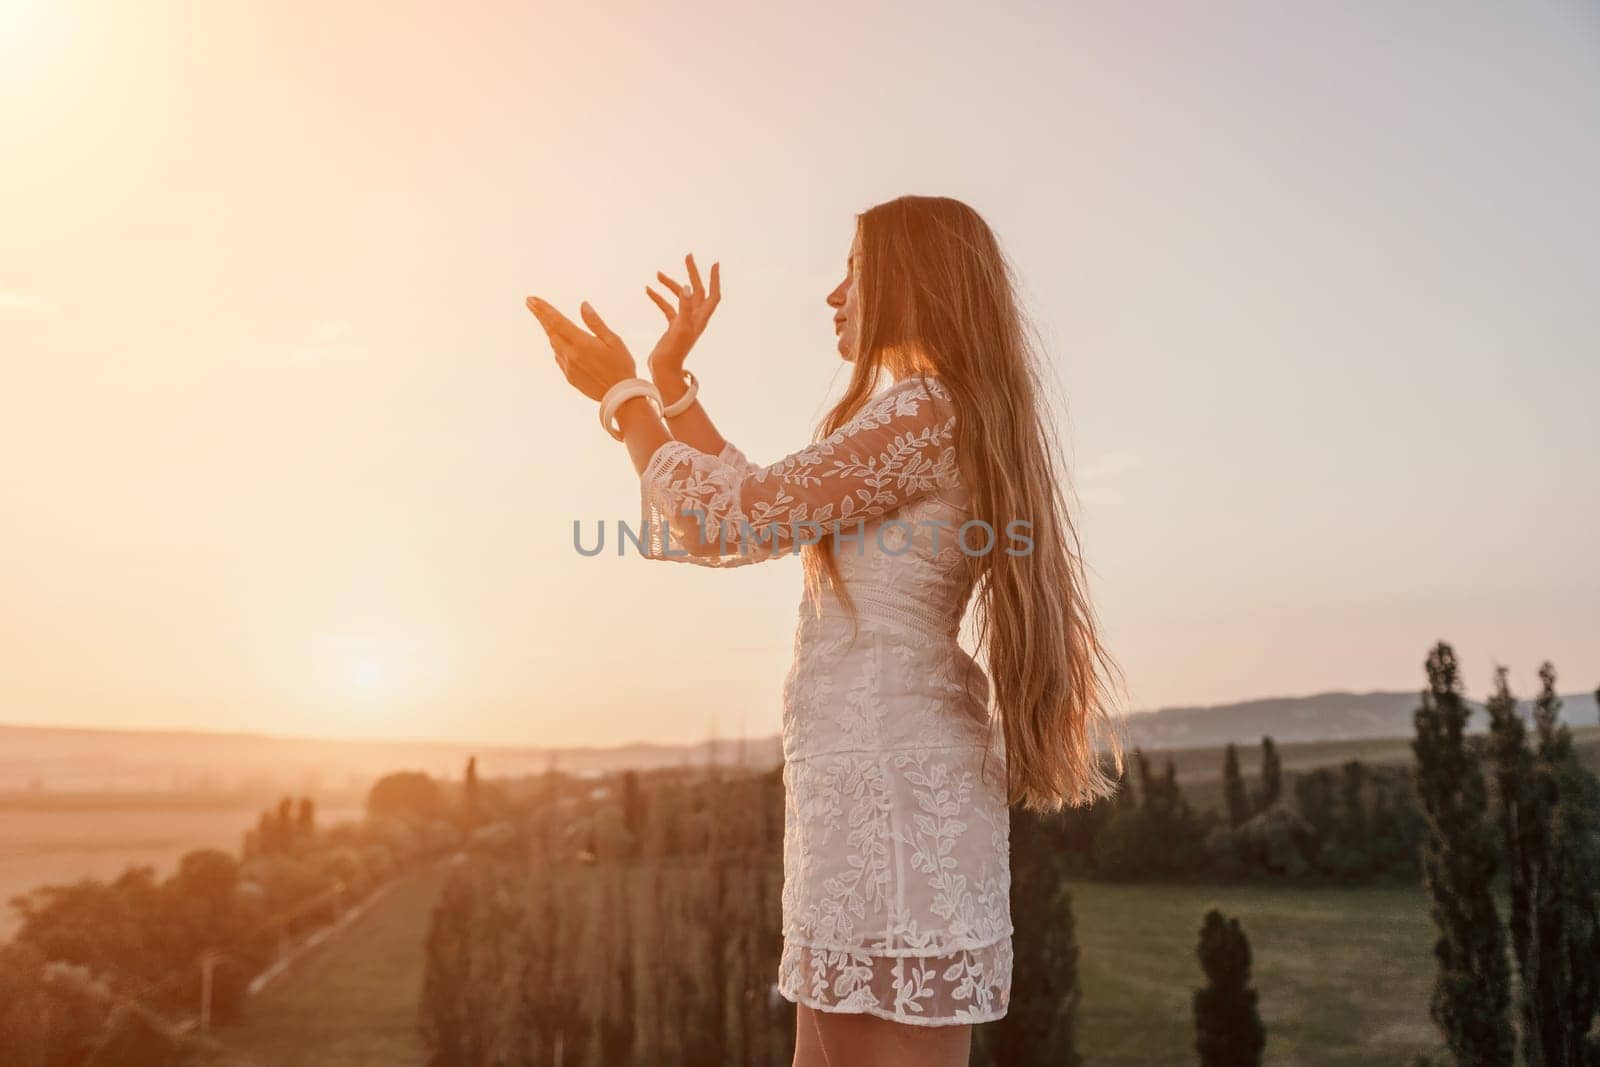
{"type": "Point", "coordinates": [472, 797]}
{"type": "Point", "coordinates": [1522, 825]}
{"type": "Point", "coordinates": [286, 824]}
{"type": "Point", "coordinates": [1228, 1030]}
{"type": "Point", "coordinates": [1147, 785]}
{"type": "Point", "coordinates": [1271, 775]}
{"type": "Point", "coordinates": [1471, 991]}
{"type": "Point", "coordinates": [1124, 797]}
{"type": "Point", "coordinates": [711, 907]}
{"type": "Point", "coordinates": [267, 834]}
{"type": "Point", "coordinates": [1039, 1028]}
{"type": "Point", "coordinates": [633, 808]}
{"type": "Point", "coordinates": [1233, 789]}
{"type": "Point", "coordinates": [1565, 955]}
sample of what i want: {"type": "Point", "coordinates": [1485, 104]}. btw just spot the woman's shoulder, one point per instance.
{"type": "Point", "coordinates": [918, 399]}
{"type": "Point", "coordinates": [915, 388]}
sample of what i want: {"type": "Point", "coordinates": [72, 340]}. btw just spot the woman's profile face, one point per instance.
{"type": "Point", "coordinates": [846, 321]}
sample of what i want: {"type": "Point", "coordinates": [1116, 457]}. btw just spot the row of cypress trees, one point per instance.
{"type": "Point", "coordinates": [1538, 831]}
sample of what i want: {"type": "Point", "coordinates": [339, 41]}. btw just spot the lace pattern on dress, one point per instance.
{"type": "Point", "coordinates": [963, 986]}
{"type": "Point", "coordinates": [723, 511]}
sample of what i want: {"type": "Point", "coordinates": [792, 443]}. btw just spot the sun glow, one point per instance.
{"type": "Point", "coordinates": [365, 674]}
{"type": "Point", "coordinates": [361, 667]}
{"type": "Point", "coordinates": [32, 34]}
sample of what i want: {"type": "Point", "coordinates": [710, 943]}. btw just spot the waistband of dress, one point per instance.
{"type": "Point", "coordinates": [990, 746]}
{"type": "Point", "coordinates": [883, 607]}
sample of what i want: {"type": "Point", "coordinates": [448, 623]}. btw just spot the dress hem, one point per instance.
{"type": "Point", "coordinates": [881, 1013]}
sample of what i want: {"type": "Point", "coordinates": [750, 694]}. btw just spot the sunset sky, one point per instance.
{"type": "Point", "coordinates": [282, 451]}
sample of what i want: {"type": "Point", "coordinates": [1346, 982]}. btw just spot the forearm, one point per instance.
{"type": "Point", "coordinates": [643, 430]}
{"type": "Point", "coordinates": [692, 426]}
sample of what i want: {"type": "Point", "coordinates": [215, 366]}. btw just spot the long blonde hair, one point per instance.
{"type": "Point", "coordinates": [936, 295]}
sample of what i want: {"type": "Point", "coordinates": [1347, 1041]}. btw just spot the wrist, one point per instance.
{"type": "Point", "coordinates": [634, 409]}
{"type": "Point", "coordinates": [672, 382]}
{"type": "Point", "coordinates": [623, 394]}
{"type": "Point", "coordinates": [669, 367]}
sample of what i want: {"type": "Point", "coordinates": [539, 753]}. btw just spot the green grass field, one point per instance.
{"type": "Point", "coordinates": [1344, 978]}
{"type": "Point", "coordinates": [1344, 975]}
{"type": "Point", "coordinates": [352, 1001]}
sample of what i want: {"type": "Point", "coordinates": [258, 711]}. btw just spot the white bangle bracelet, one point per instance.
{"type": "Point", "coordinates": [625, 390]}
{"type": "Point", "coordinates": [684, 402]}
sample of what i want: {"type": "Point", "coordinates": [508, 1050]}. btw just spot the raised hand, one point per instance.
{"type": "Point", "coordinates": [687, 321]}
{"type": "Point", "coordinates": [592, 362]}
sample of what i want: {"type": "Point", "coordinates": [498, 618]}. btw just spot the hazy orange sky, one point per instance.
{"type": "Point", "coordinates": [281, 450]}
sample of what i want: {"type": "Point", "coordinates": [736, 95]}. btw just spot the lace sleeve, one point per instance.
{"type": "Point", "coordinates": [703, 509]}
{"type": "Point", "coordinates": [734, 458]}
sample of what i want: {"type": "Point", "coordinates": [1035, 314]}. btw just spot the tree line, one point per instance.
{"type": "Point", "coordinates": [1354, 823]}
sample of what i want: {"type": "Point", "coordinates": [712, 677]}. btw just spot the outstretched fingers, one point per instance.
{"type": "Point", "coordinates": [547, 316]}
{"type": "Point", "coordinates": [598, 325]}
{"type": "Point", "coordinates": [557, 325]}
{"type": "Point", "coordinates": [663, 303]}
{"type": "Point", "coordinates": [695, 291]}
{"type": "Point", "coordinates": [682, 292]}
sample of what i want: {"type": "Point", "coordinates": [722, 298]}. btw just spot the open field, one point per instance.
{"type": "Point", "coordinates": [45, 846]}
{"type": "Point", "coordinates": [351, 1001]}
{"type": "Point", "coordinates": [1344, 978]}
{"type": "Point", "coordinates": [1344, 974]}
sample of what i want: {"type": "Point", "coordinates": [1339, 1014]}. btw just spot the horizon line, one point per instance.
{"type": "Point", "coordinates": [537, 747]}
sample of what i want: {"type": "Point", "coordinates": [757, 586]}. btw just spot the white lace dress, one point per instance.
{"type": "Point", "coordinates": [896, 896]}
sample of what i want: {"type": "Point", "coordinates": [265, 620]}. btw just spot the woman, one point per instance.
{"type": "Point", "coordinates": [914, 498]}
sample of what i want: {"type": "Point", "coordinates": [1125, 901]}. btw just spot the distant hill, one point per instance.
{"type": "Point", "coordinates": [64, 759]}
{"type": "Point", "coordinates": [43, 759]}
{"type": "Point", "coordinates": [1323, 717]}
